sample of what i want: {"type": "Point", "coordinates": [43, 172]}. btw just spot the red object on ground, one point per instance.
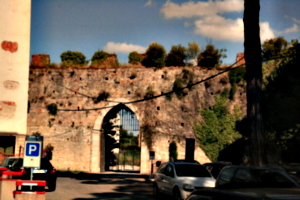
{"type": "Point", "coordinates": [30, 183]}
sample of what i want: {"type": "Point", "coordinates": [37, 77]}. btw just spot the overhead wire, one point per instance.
{"type": "Point", "coordinates": [231, 67]}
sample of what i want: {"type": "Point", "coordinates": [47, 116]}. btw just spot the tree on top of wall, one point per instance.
{"type": "Point", "coordinates": [210, 57]}
{"type": "Point", "coordinates": [99, 57]}
{"type": "Point", "coordinates": [155, 56]}
{"type": "Point", "coordinates": [72, 58]}
{"type": "Point", "coordinates": [176, 56]}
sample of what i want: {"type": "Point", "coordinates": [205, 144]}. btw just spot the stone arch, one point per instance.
{"type": "Point", "coordinates": [98, 138]}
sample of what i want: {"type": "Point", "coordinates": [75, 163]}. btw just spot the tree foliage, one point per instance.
{"type": "Point", "coordinates": [127, 140]}
{"type": "Point", "coordinates": [155, 56]}
{"type": "Point", "coordinates": [52, 109]}
{"type": "Point", "coordinates": [210, 57]}
{"type": "Point", "coordinates": [192, 52]}
{"type": "Point", "coordinates": [281, 106]}
{"type": "Point", "coordinates": [73, 58]}
{"type": "Point", "coordinates": [182, 83]}
{"type": "Point", "coordinates": [236, 76]}
{"type": "Point", "coordinates": [173, 154]}
{"type": "Point", "coordinates": [217, 130]}
{"type": "Point", "coordinates": [273, 48]}
{"type": "Point", "coordinates": [176, 56]}
{"type": "Point", "coordinates": [99, 57]}
{"type": "Point", "coordinates": [134, 58]}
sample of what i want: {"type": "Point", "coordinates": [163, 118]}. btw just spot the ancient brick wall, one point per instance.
{"type": "Point", "coordinates": [75, 130]}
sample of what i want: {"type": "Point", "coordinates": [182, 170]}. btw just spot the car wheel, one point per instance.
{"type": "Point", "coordinates": [176, 194]}
{"type": "Point", "coordinates": [51, 187]}
{"type": "Point", "coordinates": [156, 192]}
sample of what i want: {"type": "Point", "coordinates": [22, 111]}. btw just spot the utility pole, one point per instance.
{"type": "Point", "coordinates": [253, 58]}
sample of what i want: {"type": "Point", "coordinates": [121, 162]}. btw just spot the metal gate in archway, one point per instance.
{"type": "Point", "coordinates": [128, 157]}
{"type": "Point", "coordinates": [127, 153]}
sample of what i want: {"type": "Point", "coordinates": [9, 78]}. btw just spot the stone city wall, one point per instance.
{"type": "Point", "coordinates": [75, 130]}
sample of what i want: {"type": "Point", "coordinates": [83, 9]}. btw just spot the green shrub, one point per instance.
{"type": "Point", "coordinates": [72, 58]}
{"type": "Point", "coordinates": [173, 151]}
{"type": "Point", "coordinates": [52, 109]}
{"type": "Point", "coordinates": [155, 56]}
{"type": "Point", "coordinates": [102, 96]}
{"type": "Point", "coordinates": [99, 57]}
{"type": "Point", "coordinates": [236, 76]}
{"type": "Point", "coordinates": [185, 80]}
{"type": "Point", "coordinates": [218, 128]}
{"type": "Point", "coordinates": [135, 58]}
{"type": "Point", "coordinates": [149, 93]}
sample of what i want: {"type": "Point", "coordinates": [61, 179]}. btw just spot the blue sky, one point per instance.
{"type": "Point", "coordinates": [123, 26]}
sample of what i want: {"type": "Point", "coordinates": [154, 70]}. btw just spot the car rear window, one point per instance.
{"type": "Point", "coordinates": [191, 170]}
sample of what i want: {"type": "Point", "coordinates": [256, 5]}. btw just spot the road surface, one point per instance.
{"type": "Point", "coordinates": [106, 186]}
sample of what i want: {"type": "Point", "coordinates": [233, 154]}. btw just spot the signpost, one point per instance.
{"type": "Point", "coordinates": [33, 151]}
{"type": "Point", "coordinates": [152, 157]}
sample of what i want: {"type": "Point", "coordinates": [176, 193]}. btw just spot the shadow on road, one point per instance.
{"type": "Point", "coordinates": [120, 185]}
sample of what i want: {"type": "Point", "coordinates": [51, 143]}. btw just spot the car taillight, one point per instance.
{"type": "Point", "coordinates": [53, 170]}
{"type": "Point", "coordinates": [23, 170]}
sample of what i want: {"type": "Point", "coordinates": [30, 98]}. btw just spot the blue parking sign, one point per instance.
{"type": "Point", "coordinates": [33, 149]}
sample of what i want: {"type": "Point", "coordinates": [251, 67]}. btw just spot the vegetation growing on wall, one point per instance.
{"type": "Point", "coordinates": [176, 56]}
{"type": "Point", "coordinates": [185, 79]}
{"type": "Point", "coordinates": [148, 135]}
{"type": "Point", "coordinates": [217, 130]}
{"type": "Point", "coordinates": [103, 95]}
{"type": "Point", "coordinates": [235, 77]}
{"type": "Point", "coordinates": [52, 109]}
{"type": "Point", "coordinates": [155, 56]}
{"type": "Point", "coordinates": [99, 57]}
{"type": "Point", "coordinates": [134, 58]}
{"type": "Point", "coordinates": [281, 103]}
{"type": "Point", "coordinates": [36, 133]}
{"type": "Point", "coordinates": [173, 154]}
{"type": "Point", "coordinates": [69, 58]}
{"type": "Point", "coordinates": [211, 57]}
{"type": "Point", "coordinates": [149, 93]}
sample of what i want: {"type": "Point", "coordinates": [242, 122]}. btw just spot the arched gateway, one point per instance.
{"type": "Point", "coordinates": [117, 116]}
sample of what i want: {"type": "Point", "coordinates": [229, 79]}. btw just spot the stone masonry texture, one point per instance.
{"type": "Point", "coordinates": [75, 132]}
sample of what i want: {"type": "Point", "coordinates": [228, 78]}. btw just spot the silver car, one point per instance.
{"type": "Point", "coordinates": [179, 179]}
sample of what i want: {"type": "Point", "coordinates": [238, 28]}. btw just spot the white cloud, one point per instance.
{"type": "Point", "coordinates": [209, 21]}
{"type": "Point", "coordinates": [294, 28]}
{"type": "Point", "coordinates": [292, 18]}
{"type": "Point", "coordinates": [149, 3]}
{"type": "Point", "coordinates": [219, 28]}
{"type": "Point", "coordinates": [295, 20]}
{"type": "Point", "coordinates": [193, 9]}
{"type": "Point", "coordinates": [266, 32]}
{"type": "Point", "coordinates": [113, 47]}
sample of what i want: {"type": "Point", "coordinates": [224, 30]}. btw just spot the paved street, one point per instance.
{"type": "Point", "coordinates": [102, 186]}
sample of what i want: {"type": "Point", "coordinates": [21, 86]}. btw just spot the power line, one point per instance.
{"type": "Point", "coordinates": [231, 67]}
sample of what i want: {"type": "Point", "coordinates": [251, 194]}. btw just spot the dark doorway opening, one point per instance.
{"type": "Point", "coordinates": [7, 146]}
{"type": "Point", "coordinates": [121, 144]}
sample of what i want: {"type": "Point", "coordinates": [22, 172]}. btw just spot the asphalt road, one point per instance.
{"type": "Point", "coordinates": [123, 186]}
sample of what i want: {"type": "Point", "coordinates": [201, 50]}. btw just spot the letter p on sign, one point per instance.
{"type": "Point", "coordinates": [32, 149]}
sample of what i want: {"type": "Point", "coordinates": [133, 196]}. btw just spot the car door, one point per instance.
{"type": "Point", "coordinates": [168, 180]}
{"type": "Point", "coordinates": [159, 178]}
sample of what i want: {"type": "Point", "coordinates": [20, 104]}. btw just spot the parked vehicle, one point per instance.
{"type": "Point", "coordinates": [12, 162]}
{"type": "Point", "coordinates": [179, 179]}
{"type": "Point", "coordinates": [242, 182]}
{"type": "Point", "coordinates": [215, 167]}
{"type": "Point", "coordinates": [46, 171]}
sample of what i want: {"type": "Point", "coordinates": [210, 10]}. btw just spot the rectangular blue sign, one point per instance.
{"type": "Point", "coordinates": [33, 149]}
